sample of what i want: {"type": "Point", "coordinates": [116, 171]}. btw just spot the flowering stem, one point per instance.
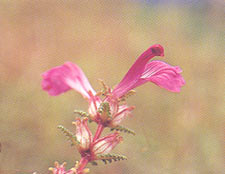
{"type": "Point", "coordinates": [98, 132]}
{"type": "Point", "coordinates": [83, 163]}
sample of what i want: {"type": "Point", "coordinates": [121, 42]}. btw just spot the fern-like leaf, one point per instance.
{"type": "Point", "coordinates": [108, 158]}
{"type": "Point", "coordinates": [123, 129]}
{"type": "Point", "coordinates": [69, 134]}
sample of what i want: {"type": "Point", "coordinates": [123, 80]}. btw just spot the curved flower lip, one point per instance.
{"type": "Point", "coordinates": [163, 75]}
{"type": "Point", "coordinates": [135, 72]}
{"type": "Point", "coordinates": [158, 72]}
{"type": "Point", "coordinates": [63, 78]}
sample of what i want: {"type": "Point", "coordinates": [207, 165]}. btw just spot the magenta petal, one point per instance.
{"type": "Point", "coordinates": [135, 72]}
{"type": "Point", "coordinates": [163, 75]}
{"type": "Point", "coordinates": [63, 78]}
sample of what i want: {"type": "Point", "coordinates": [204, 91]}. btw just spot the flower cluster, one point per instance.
{"type": "Point", "coordinates": [108, 107]}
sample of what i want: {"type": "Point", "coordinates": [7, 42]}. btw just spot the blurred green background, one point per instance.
{"type": "Point", "coordinates": [175, 133]}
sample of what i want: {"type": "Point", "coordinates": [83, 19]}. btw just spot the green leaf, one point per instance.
{"type": "Point", "coordinates": [69, 134]}
{"type": "Point", "coordinates": [108, 158]}
{"type": "Point", "coordinates": [123, 129]}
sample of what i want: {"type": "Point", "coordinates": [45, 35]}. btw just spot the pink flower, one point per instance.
{"type": "Point", "coordinates": [158, 72]}
{"type": "Point", "coordinates": [63, 78]}
{"type": "Point", "coordinates": [106, 144]}
{"type": "Point", "coordinates": [69, 76]}
{"type": "Point", "coordinates": [60, 169]}
{"type": "Point", "coordinates": [89, 148]}
{"type": "Point", "coordinates": [83, 134]}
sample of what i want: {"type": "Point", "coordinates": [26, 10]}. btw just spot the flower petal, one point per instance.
{"type": "Point", "coordinates": [135, 72]}
{"type": "Point", "coordinates": [83, 133]}
{"type": "Point", "coordinates": [123, 112]}
{"type": "Point", "coordinates": [63, 78]}
{"type": "Point", "coordinates": [94, 103]}
{"type": "Point", "coordinates": [163, 75]}
{"type": "Point", "coordinates": [106, 144]}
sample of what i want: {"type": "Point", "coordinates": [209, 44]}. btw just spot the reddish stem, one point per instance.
{"type": "Point", "coordinates": [98, 132]}
{"type": "Point", "coordinates": [82, 165]}
{"type": "Point", "coordinates": [84, 161]}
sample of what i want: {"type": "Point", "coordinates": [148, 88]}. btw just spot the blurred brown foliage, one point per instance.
{"type": "Point", "coordinates": [176, 133]}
